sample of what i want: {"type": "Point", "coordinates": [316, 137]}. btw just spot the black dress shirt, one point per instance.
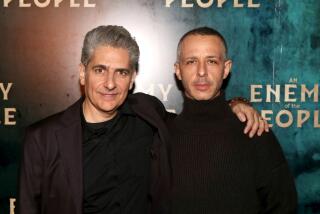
{"type": "Point", "coordinates": [116, 164]}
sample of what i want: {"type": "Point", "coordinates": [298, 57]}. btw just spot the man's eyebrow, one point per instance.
{"type": "Point", "coordinates": [104, 67]}
{"type": "Point", "coordinates": [214, 56]}
{"type": "Point", "coordinates": [123, 69]}
{"type": "Point", "coordinates": [208, 57]}
{"type": "Point", "coordinates": [190, 57]}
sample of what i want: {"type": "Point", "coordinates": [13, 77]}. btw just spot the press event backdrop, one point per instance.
{"type": "Point", "coordinates": [275, 46]}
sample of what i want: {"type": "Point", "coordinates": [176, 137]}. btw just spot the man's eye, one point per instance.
{"type": "Point", "coordinates": [98, 71]}
{"type": "Point", "coordinates": [123, 72]}
{"type": "Point", "coordinates": [189, 62]}
{"type": "Point", "coordinates": [211, 61]}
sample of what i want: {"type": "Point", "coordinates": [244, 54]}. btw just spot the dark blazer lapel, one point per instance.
{"type": "Point", "coordinates": [151, 110]}
{"type": "Point", "coordinates": [70, 146]}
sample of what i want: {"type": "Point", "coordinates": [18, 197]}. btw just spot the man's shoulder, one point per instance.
{"type": "Point", "coordinates": [48, 122]}
{"type": "Point", "coordinates": [266, 147]}
{"type": "Point", "coordinates": [145, 98]}
{"type": "Point", "coordinates": [268, 141]}
{"type": "Point", "coordinates": [146, 103]}
{"type": "Point", "coordinates": [57, 120]}
{"type": "Point", "coordinates": [233, 121]}
{"type": "Point", "coordinates": [171, 116]}
{"type": "Point", "coordinates": [148, 106]}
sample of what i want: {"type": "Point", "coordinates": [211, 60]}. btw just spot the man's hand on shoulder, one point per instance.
{"type": "Point", "coordinates": [245, 112]}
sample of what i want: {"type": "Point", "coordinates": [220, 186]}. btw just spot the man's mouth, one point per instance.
{"type": "Point", "coordinates": [108, 96]}
{"type": "Point", "coordinates": [202, 86]}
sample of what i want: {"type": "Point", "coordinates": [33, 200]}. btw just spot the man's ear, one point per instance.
{"type": "Point", "coordinates": [227, 68]}
{"type": "Point", "coordinates": [133, 78]}
{"type": "Point", "coordinates": [177, 70]}
{"type": "Point", "coordinates": [82, 74]}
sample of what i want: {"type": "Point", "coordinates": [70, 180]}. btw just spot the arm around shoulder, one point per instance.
{"type": "Point", "coordinates": [149, 105]}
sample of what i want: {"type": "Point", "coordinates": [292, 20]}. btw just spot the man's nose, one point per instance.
{"type": "Point", "coordinates": [110, 80]}
{"type": "Point", "coordinates": [202, 69]}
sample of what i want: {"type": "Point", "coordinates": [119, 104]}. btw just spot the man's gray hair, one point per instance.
{"type": "Point", "coordinates": [113, 36]}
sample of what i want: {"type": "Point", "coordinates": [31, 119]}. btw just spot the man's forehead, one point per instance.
{"type": "Point", "coordinates": [194, 44]}
{"type": "Point", "coordinates": [104, 50]}
{"type": "Point", "coordinates": [209, 41]}
{"type": "Point", "coordinates": [110, 56]}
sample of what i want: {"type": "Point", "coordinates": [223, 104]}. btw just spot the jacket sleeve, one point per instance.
{"type": "Point", "coordinates": [275, 184]}
{"type": "Point", "coordinates": [146, 104]}
{"type": "Point", "coordinates": [31, 170]}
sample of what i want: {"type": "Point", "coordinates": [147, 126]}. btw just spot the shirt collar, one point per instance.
{"type": "Point", "coordinates": [124, 109]}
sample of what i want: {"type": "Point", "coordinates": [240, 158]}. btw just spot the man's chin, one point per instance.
{"type": "Point", "coordinates": [202, 96]}
{"type": "Point", "coordinates": [109, 107]}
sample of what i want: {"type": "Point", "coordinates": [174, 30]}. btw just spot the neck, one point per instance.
{"type": "Point", "coordinates": [204, 110]}
{"type": "Point", "coordinates": [203, 116]}
{"type": "Point", "coordinates": [93, 115]}
{"type": "Point", "coordinates": [212, 98]}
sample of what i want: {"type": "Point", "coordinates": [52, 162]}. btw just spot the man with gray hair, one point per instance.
{"type": "Point", "coordinates": [106, 153]}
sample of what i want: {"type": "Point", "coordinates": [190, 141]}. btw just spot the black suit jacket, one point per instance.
{"type": "Point", "coordinates": [51, 179]}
